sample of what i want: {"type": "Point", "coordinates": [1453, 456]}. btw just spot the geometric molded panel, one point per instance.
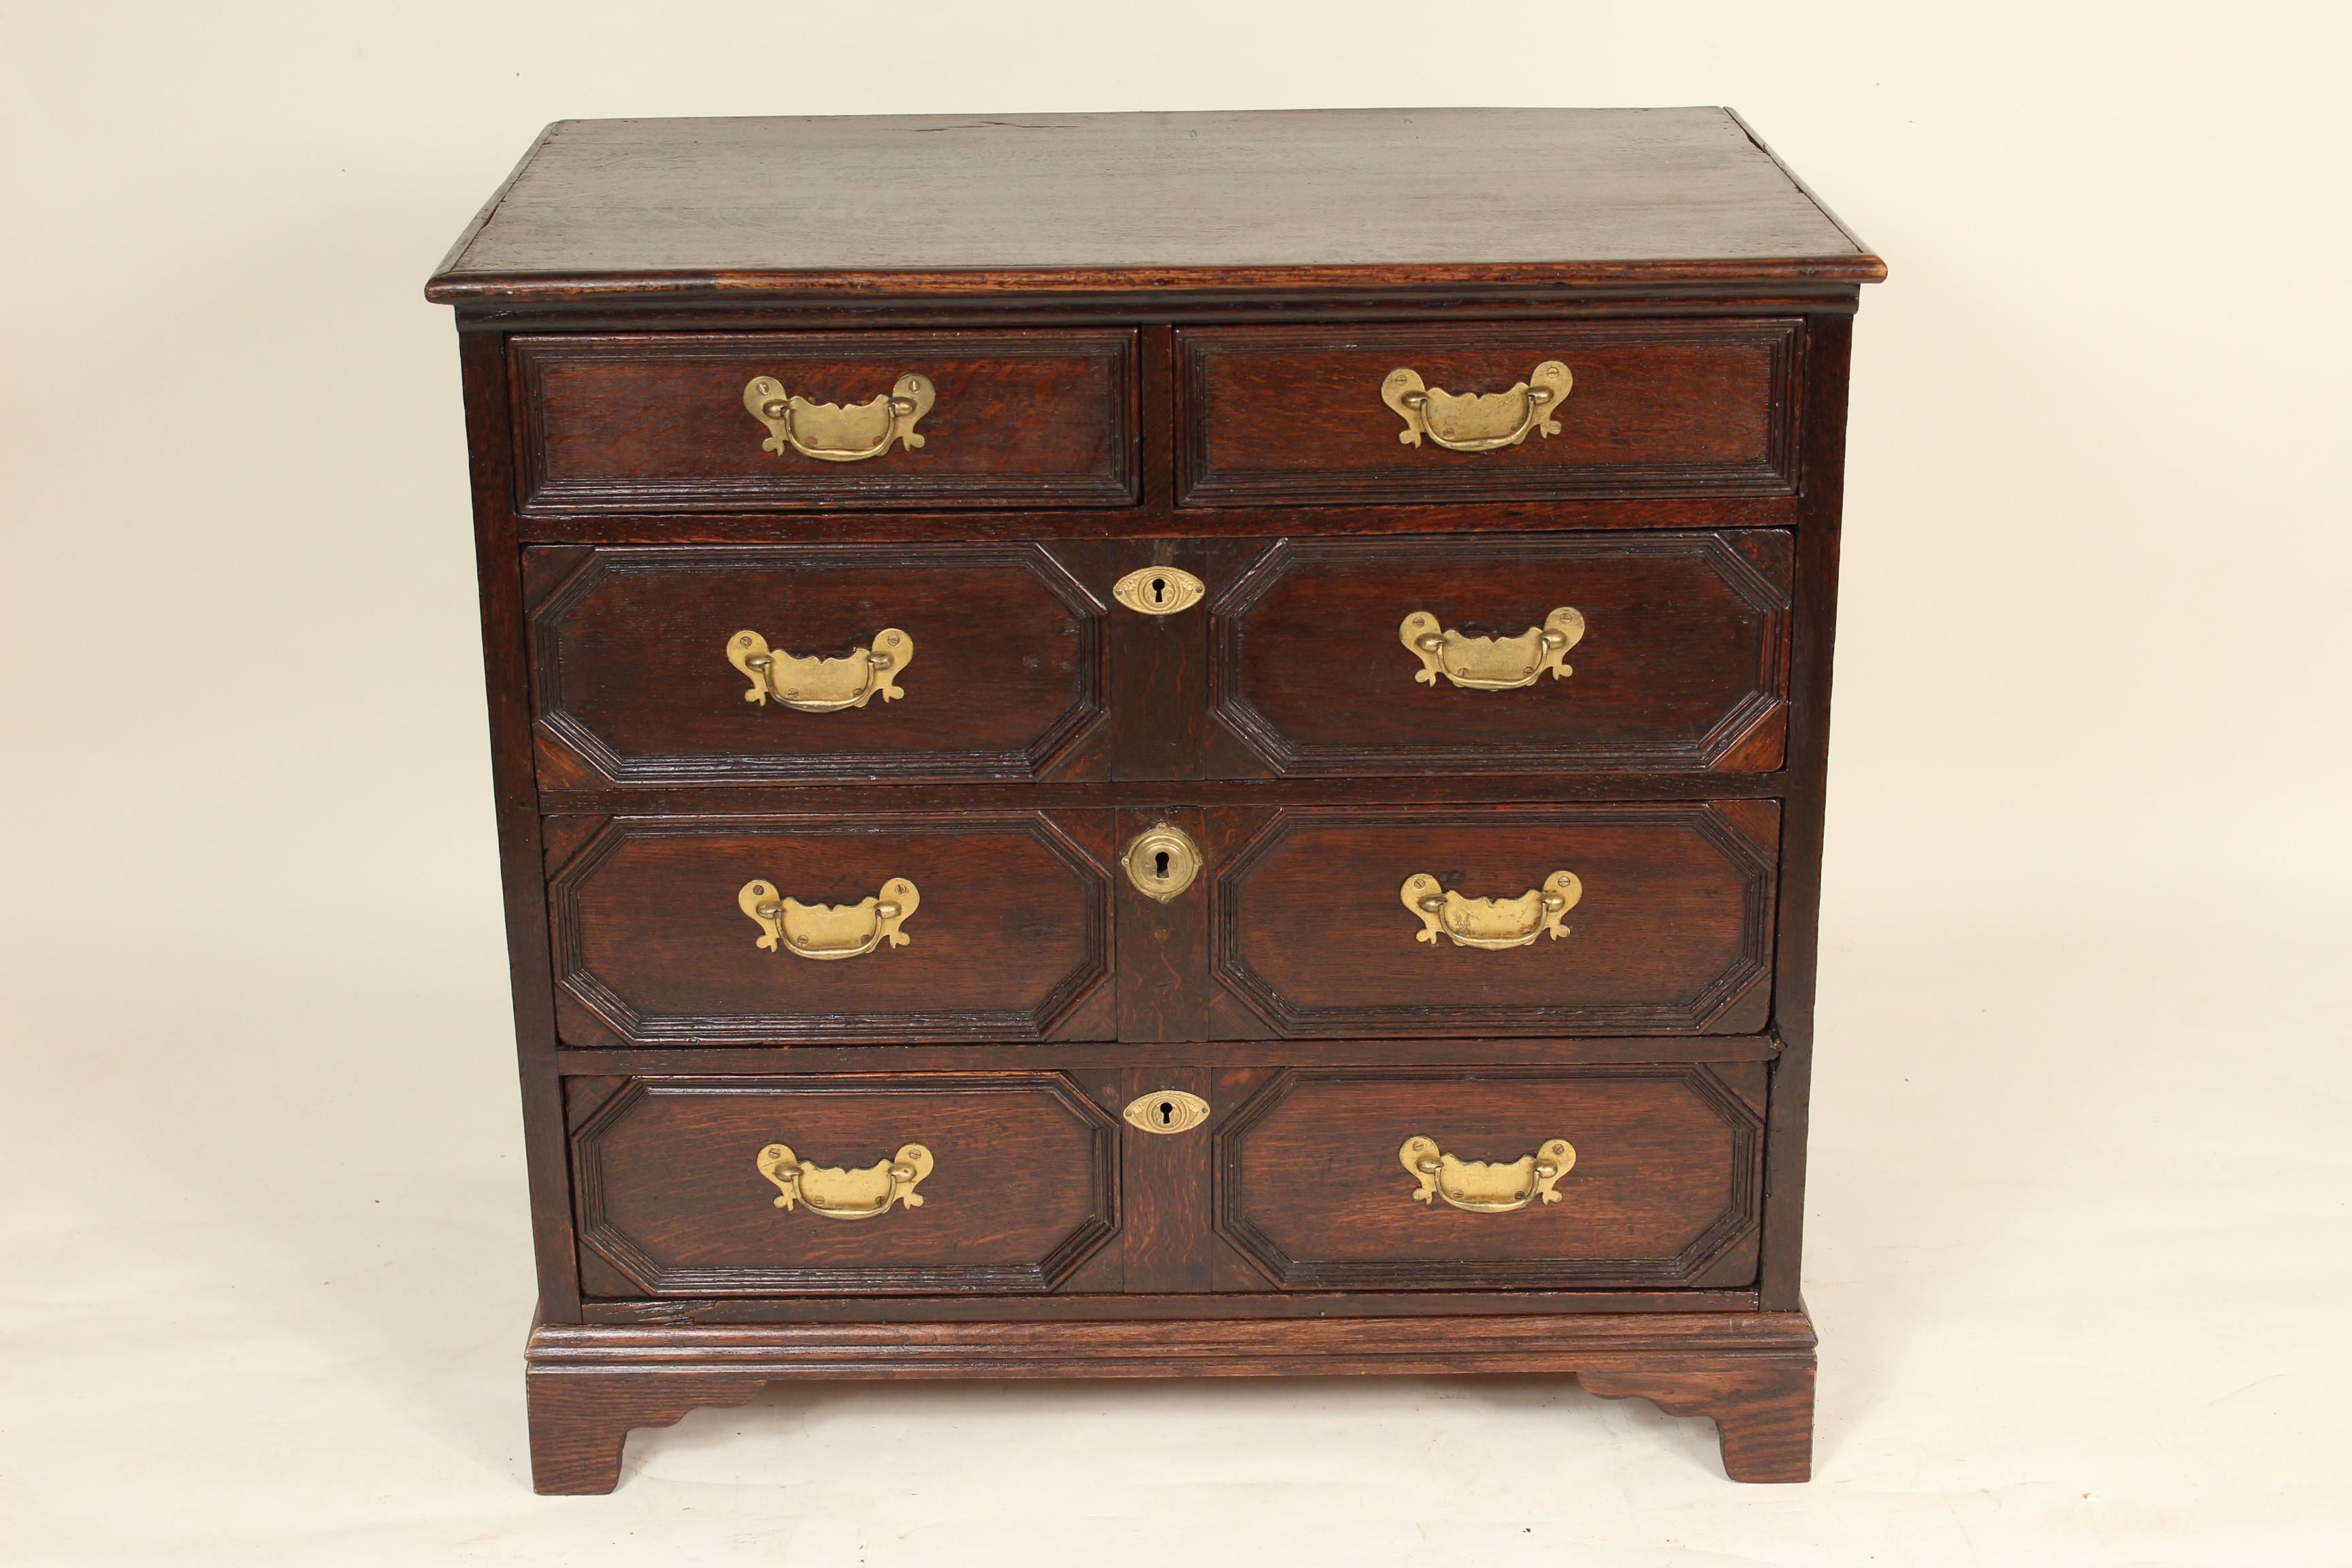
{"type": "Point", "coordinates": [1023, 1189]}
{"type": "Point", "coordinates": [1682, 658]}
{"type": "Point", "coordinates": [632, 682]}
{"type": "Point", "coordinates": [1664, 1189]}
{"type": "Point", "coordinates": [1011, 933]}
{"type": "Point", "coordinates": [1672, 932]}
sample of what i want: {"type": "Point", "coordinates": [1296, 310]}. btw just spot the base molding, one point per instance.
{"type": "Point", "coordinates": [1752, 1373]}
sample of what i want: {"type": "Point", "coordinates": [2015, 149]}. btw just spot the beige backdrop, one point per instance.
{"type": "Point", "coordinates": [2079, 1238]}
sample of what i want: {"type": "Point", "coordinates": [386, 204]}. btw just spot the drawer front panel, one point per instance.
{"type": "Point", "coordinates": [1643, 408]}
{"type": "Point", "coordinates": [1579, 653]}
{"type": "Point", "coordinates": [943, 1182]}
{"type": "Point", "coordinates": [1637, 919]}
{"type": "Point", "coordinates": [671, 422]}
{"type": "Point", "coordinates": [897, 661]}
{"type": "Point", "coordinates": [1533, 1178]}
{"type": "Point", "coordinates": [673, 930]}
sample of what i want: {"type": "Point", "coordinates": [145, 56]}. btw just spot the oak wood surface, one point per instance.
{"type": "Point", "coordinates": [1752, 1373]}
{"type": "Point", "coordinates": [1663, 1190]}
{"type": "Point", "coordinates": [1827, 363]}
{"type": "Point", "coordinates": [1011, 934]}
{"type": "Point", "coordinates": [656, 422]}
{"type": "Point", "coordinates": [1025, 1185]}
{"type": "Point", "coordinates": [1682, 663]}
{"type": "Point", "coordinates": [633, 684]}
{"type": "Point", "coordinates": [1668, 406]}
{"type": "Point", "coordinates": [1672, 932]}
{"type": "Point", "coordinates": [1059, 201]}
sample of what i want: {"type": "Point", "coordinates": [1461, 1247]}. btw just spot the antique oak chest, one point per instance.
{"type": "Point", "coordinates": [1141, 745]}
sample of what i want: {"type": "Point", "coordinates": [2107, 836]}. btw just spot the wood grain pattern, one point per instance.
{"type": "Point", "coordinates": [1012, 931]}
{"type": "Point", "coordinates": [656, 422]}
{"type": "Point", "coordinates": [1752, 1373]}
{"type": "Point", "coordinates": [1664, 1189]}
{"type": "Point", "coordinates": [631, 684]}
{"type": "Point", "coordinates": [1683, 663]}
{"type": "Point", "coordinates": [1025, 1188]}
{"type": "Point", "coordinates": [1676, 407]}
{"type": "Point", "coordinates": [1827, 363]}
{"type": "Point", "coordinates": [965, 205]}
{"type": "Point", "coordinates": [1673, 934]}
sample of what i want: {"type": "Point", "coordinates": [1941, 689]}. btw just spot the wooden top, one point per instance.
{"type": "Point", "coordinates": [1062, 201]}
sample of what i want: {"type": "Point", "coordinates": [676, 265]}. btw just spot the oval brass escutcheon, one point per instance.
{"type": "Point", "coordinates": [1162, 861]}
{"type": "Point", "coordinates": [1166, 1110]}
{"type": "Point", "coordinates": [1159, 590]}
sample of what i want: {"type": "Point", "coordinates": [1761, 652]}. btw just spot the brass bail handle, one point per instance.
{"type": "Point", "coordinates": [1493, 664]}
{"type": "Point", "coordinates": [823, 685]}
{"type": "Point", "coordinates": [829, 931]}
{"type": "Point", "coordinates": [833, 434]}
{"type": "Point", "coordinates": [838, 1193]}
{"type": "Point", "coordinates": [1474, 1186]}
{"type": "Point", "coordinates": [1477, 421]}
{"type": "Point", "coordinates": [1490, 923]}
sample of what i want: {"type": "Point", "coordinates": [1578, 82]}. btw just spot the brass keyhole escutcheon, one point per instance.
{"type": "Point", "coordinates": [1166, 1110]}
{"type": "Point", "coordinates": [1161, 861]}
{"type": "Point", "coordinates": [1159, 590]}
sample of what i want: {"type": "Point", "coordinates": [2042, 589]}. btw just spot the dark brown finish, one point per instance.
{"type": "Point", "coordinates": [1800, 888]}
{"type": "Point", "coordinates": [656, 422]}
{"type": "Point", "coordinates": [1163, 948]}
{"type": "Point", "coordinates": [1751, 1372]}
{"type": "Point", "coordinates": [1682, 664]}
{"type": "Point", "coordinates": [632, 682]}
{"type": "Point", "coordinates": [1673, 934]}
{"type": "Point", "coordinates": [1188, 382]}
{"type": "Point", "coordinates": [978, 204]}
{"type": "Point", "coordinates": [1025, 1188]}
{"type": "Point", "coordinates": [1010, 938]}
{"type": "Point", "coordinates": [1659, 407]}
{"type": "Point", "coordinates": [1664, 1190]}
{"type": "Point", "coordinates": [1169, 1245]}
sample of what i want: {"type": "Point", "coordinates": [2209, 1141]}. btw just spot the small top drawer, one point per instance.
{"type": "Point", "coordinates": [1523, 411]}
{"type": "Point", "coordinates": [735, 421]}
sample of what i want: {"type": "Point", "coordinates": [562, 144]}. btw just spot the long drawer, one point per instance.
{"type": "Point", "coordinates": [1555, 653]}
{"type": "Point", "coordinates": [1630, 1177]}
{"type": "Point", "coordinates": [1332, 922]}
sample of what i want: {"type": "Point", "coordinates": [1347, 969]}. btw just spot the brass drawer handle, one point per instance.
{"type": "Point", "coordinates": [1492, 923]}
{"type": "Point", "coordinates": [832, 433]}
{"type": "Point", "coordinates": [823, 685]}
{"type": "Point", "coordinates": [1477, 421]}
{"type": "Point", "coordinates": [1478, 1187]}
{"type": "Point", "coordinates": [830, 931]}
{"type": "Point", "coordinates": [836, 1194]}
{"type": "Point", "coordinates": [1493, 664]}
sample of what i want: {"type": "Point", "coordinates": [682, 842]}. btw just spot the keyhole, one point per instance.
{"type": "Point", "coordinates": [1159, 590]}
{"type": "Point", "coordinates": [1167, 1113]}
{"type": "Point", "coordinates": [1160, 868]}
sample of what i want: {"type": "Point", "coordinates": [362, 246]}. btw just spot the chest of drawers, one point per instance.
{"type": "Point", "coordinates": [1150, 745]}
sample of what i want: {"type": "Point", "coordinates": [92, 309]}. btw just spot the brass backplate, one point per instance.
{"type": "Point", "coordinates": [1159, 590]}
{"type": "Point", "coordinates": [1166, 1110]}
{"type": "Point", "coordinates": [1162, 861]}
